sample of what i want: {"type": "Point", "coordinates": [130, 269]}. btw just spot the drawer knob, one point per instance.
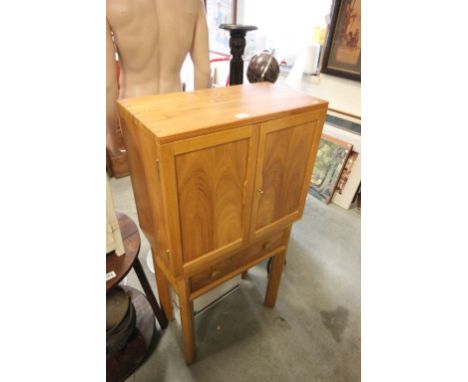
{"type": "Point", "coordinates": [215, 274]}
{"type": "Point", "coordinates": [266, 245]}
{"type": "Point", "coordinates": [260, 191]}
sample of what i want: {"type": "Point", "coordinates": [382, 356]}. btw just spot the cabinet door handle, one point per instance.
{"type": "Point", "coordinates": [215, 274]}
{"type": "Point", "coordinates": [260, 191]}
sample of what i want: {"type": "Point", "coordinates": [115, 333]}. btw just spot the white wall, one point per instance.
{"type": "Point", "coordinates": [342, 94]}
{"type": "Point", "coordinates": [286, 26]}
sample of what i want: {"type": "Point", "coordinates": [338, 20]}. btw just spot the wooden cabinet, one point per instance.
{"type": "Point", "coordinates": [219, 176]}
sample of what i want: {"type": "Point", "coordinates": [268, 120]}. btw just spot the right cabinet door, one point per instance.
{"type": "Point", "coordinates": [287, 150]}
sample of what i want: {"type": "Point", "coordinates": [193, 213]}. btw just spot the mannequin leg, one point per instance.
{"type": "Point", "coordinates": [274, 279]}
{"type": "Point", "coordinates": [187, 321]}
{"type": "Point", "coordinates": [164, 293]}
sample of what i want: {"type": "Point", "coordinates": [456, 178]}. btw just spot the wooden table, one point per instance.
{"type": "Point", "coordinates": [121, 265]}
{"type": "Point", "coordinates": [142, 342]}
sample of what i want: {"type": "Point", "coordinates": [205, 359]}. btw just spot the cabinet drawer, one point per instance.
{"type": "Point", "coordinates": [232, 265]}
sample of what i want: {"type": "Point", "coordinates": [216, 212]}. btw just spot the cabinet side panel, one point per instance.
{"type": "Point", "coordinates": [211, 189]}
{"type": "Point", "coordinates": [286, 154]}
{"type": "Point", "coordinates": [142, 153]}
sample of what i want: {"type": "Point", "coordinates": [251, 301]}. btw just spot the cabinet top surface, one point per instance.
{"type": "Point", "coordinates": [181, 115]}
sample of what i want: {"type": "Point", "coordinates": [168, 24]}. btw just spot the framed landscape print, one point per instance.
{"type": "Point", "coordinates": [329, 163]}
{"type": "Point", "coordinates": [342, 56]}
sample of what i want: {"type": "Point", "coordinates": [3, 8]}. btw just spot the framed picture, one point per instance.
{"type": "Point", "coordinates": [349, 182]}
{"type": "Point", "coordinates": [342, 56]}
{"type": "Point", "coordinates": [329, 163]}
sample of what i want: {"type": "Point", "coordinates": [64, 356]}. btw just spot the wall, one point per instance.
{"type": "Point", "coordinates": [342, 94]}
{"type": "Point", "coordinates": [286, 26]}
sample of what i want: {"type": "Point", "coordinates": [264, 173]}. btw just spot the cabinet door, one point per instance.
{"type": "Point", "coordinates": [287, 150]}
{"type": "Point", "coordinates": [214, 176]}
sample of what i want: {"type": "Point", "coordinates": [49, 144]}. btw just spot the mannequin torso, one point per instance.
{"type": "Point", "coordinates": [135, 28]}
{"type": "Point", "coordinates": [152, 39]}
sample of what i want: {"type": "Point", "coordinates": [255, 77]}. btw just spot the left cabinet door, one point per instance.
{"type": "Point", "coordinates": [212, 186]}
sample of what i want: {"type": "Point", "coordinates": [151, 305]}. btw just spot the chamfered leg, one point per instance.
{"type": "Point", "coordinates": [163, 292]}
{"type": "Point", "coordinates": [187, 320]}
{"type": "Point", "coordinates": [274, 279]}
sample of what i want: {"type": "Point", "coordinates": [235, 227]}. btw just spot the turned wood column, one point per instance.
{"type": "Point", "coordinates": [237, 44]}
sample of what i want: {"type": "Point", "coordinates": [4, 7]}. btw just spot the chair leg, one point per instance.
{"type": "Point", "coordinates": [187, 320]}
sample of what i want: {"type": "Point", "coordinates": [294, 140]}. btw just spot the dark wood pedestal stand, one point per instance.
{"type": "Point", "coordinates": [145, 336]}
{"type": "Point", "coordinates": [237, 45]}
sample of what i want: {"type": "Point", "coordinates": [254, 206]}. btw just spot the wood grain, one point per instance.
{"type": "Point", "coordinates": [274, 279]}
{"type": "Point", "coordinates": [143, 159]}
{"type": "Point", "coordinates": [237, 271]}
{"type": "Point", "coordinates": [281, 172]}
{"type": "Point", "coordinates": [234, 262]}
{"type": "Point", "coordinates": [276, 270]}
{"type": "Point", "coordinates": [177, 116]}
{"type": "Point", "coordinates": [186, 320]}
{"type": "Point", "coordinates": [211, 187]}
{"type": "Point", "coordinates": [219, 176]}
{"type": "Point", "coordinates": [170, 203]}
{"type": "Point", "coordinates": [163, 292]}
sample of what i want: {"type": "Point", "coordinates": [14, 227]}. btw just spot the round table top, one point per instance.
{"type": "Point", "coordinates": [238, 27]}
{"type": "Point", "coordinates": [121, 265]}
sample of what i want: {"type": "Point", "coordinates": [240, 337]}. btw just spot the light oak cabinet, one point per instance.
{"type": "Point", "coordinates": [219, 176]}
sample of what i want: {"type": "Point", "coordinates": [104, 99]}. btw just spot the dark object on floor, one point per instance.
{"type": "Point", "coordinates": [144, 337]}
{"type": "Point", "coordinates": [117, 164]}
{"type": "Point", "coordinates": [117, 306]}
{"type": "Point", "coordinates": [263, 67]}
{"type": "Point", "coordinates": [237, 45]}
{"type": "Point", "coordinates": [121, 265]}
{"type": "Point", "coordinates": [117, 159]}
{"type": "Point", "coordinates": [118, 335]}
